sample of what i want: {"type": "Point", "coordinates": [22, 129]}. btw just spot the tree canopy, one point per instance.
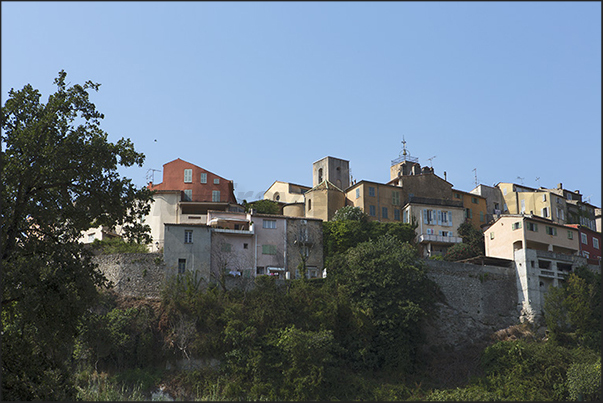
{"type": "Point", "coordinates": [59, 176]}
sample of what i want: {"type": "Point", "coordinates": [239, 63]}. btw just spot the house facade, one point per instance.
{"type": "Point", "coordinates": [590, 244]}
{"type": "Point", "coordinates": [185, 196]}
{"type": "Point", "coordinates": [543, 251]}
{"type": "Point", "coordinates": [187, 247]}
{"type": "Point", "coordinates": [438, 221]}
{"type": "Point", "coordinates": [476, 209]}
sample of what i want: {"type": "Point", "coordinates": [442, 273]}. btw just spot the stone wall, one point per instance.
{"type": "Point", "coordinates": [135, 274]}
{"type": "Point", "coordinates": [479, 300]}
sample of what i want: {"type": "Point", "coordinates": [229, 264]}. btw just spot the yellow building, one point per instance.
{"type": "Point", "coordinates": [475, 207]}
{"type": "Point", "coordinates": [541, 202]}
{"type": "Point", "coordinates": [380, 201]}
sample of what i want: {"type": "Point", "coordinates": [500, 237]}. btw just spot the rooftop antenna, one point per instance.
{"type": "Point", "coordinates": [151, 175]}
{"type": "Point", "coordinates": [537, 179]}
{"type": "Point", "coordinates": [587, 199]}
{"type": "Point", "coordinates": [429, 159]}
{"type": "Point", "coordinates": [521, 179]}
{"type": "Point", "coordinates": [475, 170]}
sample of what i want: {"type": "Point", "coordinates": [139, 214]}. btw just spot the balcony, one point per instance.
{"type": "Point", "coordinates": [232, 231]}
{"type": "Point", "coordinates": [426, 238]}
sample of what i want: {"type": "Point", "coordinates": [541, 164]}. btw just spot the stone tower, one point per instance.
{"type": "Point", "coordinates": [334, 170]}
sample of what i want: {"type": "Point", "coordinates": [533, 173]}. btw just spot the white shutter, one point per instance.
{"type": "Point", "coordinates": [449, 218]}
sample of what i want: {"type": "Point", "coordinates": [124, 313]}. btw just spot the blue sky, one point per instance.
{"type": "Point", "coordinates": [256, 92]}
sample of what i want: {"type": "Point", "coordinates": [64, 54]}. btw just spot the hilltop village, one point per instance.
{"type": "Point", "coordinates": [198, 225]}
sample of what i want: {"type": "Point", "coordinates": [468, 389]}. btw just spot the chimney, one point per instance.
{"type": "Point", "coordinates": [559, 186]}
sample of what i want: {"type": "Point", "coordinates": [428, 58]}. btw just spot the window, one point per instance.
{"type": "Point", "coordinates": [551, 231]}
{"type": "Point", "coordinates": [395, 198]}
{"type": "Point", "coordinates": [532, 227]}
{"type": "Point", "coordinates": [203, 177]}
{"type": "Point", "coordinates": [383, 212]}
{"type": "Point", "coordinates": [491, 235]}
{"type": "Point", "coordinates": [371, 191]}
{"type": "Point", "coordinates": [188, 195]}
{"type": "Point", "coordinates": [188, 236]}
{"type": "Point", "coordinates": [405, 216]}
{"type": "Point", "coordinates": [481, 216]}
{"type": "Point", "coordinates": [586, 254]}
{"type": "Point", "coordinates": [260, 270]}
{"type": "Point", "coordinates": [269, 224]}
{"type": "Point", "coordinates": [570, 235]}
{"type": "Point", "coordinates": [226, 247]}
{"type": "Point", "coordinates": [181, 265]}
{"type": "Point", "coordinates": [396, 214]}
{"type": "Point", "coordinates": [216, 181]}
{"type": "Point", "coordinates": [429, 217]}
{"type": "Point", "coordinates": [544, 197]}
{"type": "Point", "coordinates": [245, 246]}
{"type": "Point", "coordinates": [545, 212]}
{"type": "Point", "coordinates": [584, 239]}
{"type": "Point", "coordinates": [188, 175]}
{"type": "Point", "coordinates": [595, 243]}
{"type": "Point", "coordinates": [458, 196]}
{"type": "Point", "coordinates": [268, 249]}
{"type": "Point", "coordinates": [309, 204]}
{"type": "Point", "coordinates": [474, 200]}
{"type": "Point", "coordinates": [320, 175]}
{"type": "Point", "coordinates": [468, 213]}
{"type": "Point", "coordinates": [516, 225]}
{"type": "Point", "coordinates": [372, 211]}
{"type": "Point", "coordinates": [215, 195]}
{"type": "Point", "coordinates": [357, 193]}
{"type": "Point", "coordinates": [523, 206]}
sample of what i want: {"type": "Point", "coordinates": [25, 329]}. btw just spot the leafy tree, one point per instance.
{"type": "Point", "coordinates": [574, 309]}
{"type": "Point", "coordinates": [59, 176]}
{"type": "Point", "coordinates": [263, 206]}
{"type": "Point", "coordinates": [386, 282]}
{"type": "Point", "coordinates": [472, 246]}
{"type": "Point", "coordinates": [350, 213]}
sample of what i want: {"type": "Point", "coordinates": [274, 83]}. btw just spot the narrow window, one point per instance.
{"type": "Point", "coordinates": [383, 212]}
{"type": "Point", "coordinates": [396, 214]}
{"type": "Point", "coordinates": [481, 216]}
{"type": "Point", "coordinates": [395, 198]}
{"type": "Point", "coordinates": [357, 193]}
{"type": "Point", "coordinates": [245, 246]}
{"type": "Point", "coordinates": [371, 191]}
{"type": "Point", "coordinates": [570, 235]}
{"type": "Point", "coordinates": [320, 175]}
{"type": "Point", "coordinates": [181, 265]}
{"type": "Point", "coordinates": [523, 206]}
{"type": "Point", "coordinates": [545, 212]}
{"type": "Point", "coordinates": [595, 243]}
{"type": "Point", "coordinates": [474, 200]}
{"type": "Point", "coordinates": [215, 195]}
{"type": "Point", "coordinates": [309, 204]}
{"type": "Point", "coordinates": [188, 175]}
{"type": "Point", "coordinates": [188, 194]}
{"type": "Point", "coordinates": [584, 239]}
{"type": "Point", "coordinates": [203, 177]}
{"type": "Point", "coordinates": [188, 236]}
{"type": "Point", "coordinates": [372, 211]}
{"type": "Point", "coordinates": [491, 235]}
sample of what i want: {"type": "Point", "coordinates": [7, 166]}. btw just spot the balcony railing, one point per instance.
{"type": "Point", "coordinates": [232, 231]}
{"type": "Point", "coordinates": [439, 238]}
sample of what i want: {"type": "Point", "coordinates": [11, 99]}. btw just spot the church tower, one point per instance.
{"type": "Point", "coordinates": [334, 170]}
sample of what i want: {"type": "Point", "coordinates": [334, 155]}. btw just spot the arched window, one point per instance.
{"type": "Point", "coordinates": [319, 175]}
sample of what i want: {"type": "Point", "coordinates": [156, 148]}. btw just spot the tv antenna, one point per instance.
{"type": "Point", "coordinates": [429, 159]}
{"type": "Point", "coordinates": [475, 170]}
{"type": "Point", "coordinates": [151, 174]}
{"type": "Point", "coordinates": [537, 179]}
{"type": "Point", "coordinates": [521, 179]}
{"type": "Point", "coordinates": [587, 199]}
